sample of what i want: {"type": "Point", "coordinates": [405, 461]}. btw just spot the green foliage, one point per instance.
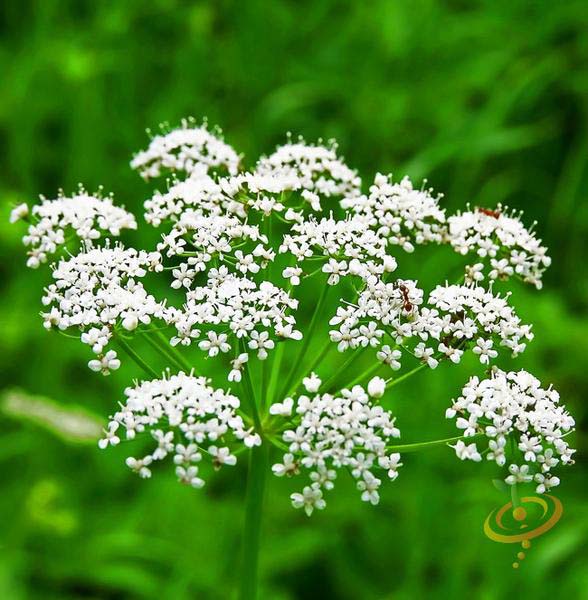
{"type": "Point", "coordinates": [489, 100]}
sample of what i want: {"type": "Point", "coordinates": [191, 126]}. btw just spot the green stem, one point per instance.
{"type": "Point", "coordinates": [431, 444]}
{"type": "Point", "coordinates": [275, 372]}
{"type": "Point", "coordinates": [256, 483]}
{"type": "Point", "coordinates": [137, 358]}
{"type": "Point", "coordinates": [173, 352]}
{"type": "Point", "coordinates": [514, 494]}
{"type": "Point", "coordinates": [329, 384]}
{"type": "Point", "coordinates": [371, 371]}
{"type": "Point", "coordinates": [395, 381]}
{"type": "Point", "coordinates": [307, 339]}
{"type": "Point", "coordinates": [326, 349]}
{"type": "Point", "coordinates": [264, 382]}
{"type": "Point", "coordinates": [164, 354]}
{"type": "Point", "coordinates": [250, 396]}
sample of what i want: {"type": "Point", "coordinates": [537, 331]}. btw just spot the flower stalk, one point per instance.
{"type": "Point", "coordinates": [254, 501]}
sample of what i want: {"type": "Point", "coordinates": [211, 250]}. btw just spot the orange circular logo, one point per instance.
{"type": "Point", "coordinates": [533, 517]}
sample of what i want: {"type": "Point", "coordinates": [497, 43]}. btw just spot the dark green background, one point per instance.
{"type": "Point", "coordinates": [488, 100]}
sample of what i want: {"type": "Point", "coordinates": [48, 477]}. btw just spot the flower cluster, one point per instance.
{"type": "Point", "coordinates": [456, 317]}
{"type": "Point", "coordinates": [200, 239]}
{"type": "Point", "coordinates": [525, 426]}
{"type": "Point", "coordinates": [405, 216]}
{"type": "Point", "coordinates": [235, 245]}
{"type": "Point", "coordinates": [82, 215]}
{"type": "Point", "coordinates": [502, 240]}
{"type": "Point", "coordinates": [199, 193]}
{"type": "Point", "coordinates": [331, 432]}
{"type": "Point", "coordinates": [347, 245]}
{"type": "Point", "coordinates": [318, 169]}
{"type": "Point", "coordinates": [189, 149]}
{"type": "Point", "coordinates": [97, 290]}
{"type": "Point", "coordinates": [186, 417]}
{"type": "Point", "coordinates": [236, 306]}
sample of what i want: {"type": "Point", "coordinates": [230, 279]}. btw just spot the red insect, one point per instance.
{"type": "Point", "coordinates": [489, 212]}
{"type": "Point", "coordinates": [406, 303]}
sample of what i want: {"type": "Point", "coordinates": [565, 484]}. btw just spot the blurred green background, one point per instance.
{"type": "Point", "coordinates": [488, 100]}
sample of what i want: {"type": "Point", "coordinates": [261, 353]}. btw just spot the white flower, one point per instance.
{"type": "Point", "coordinates": [19, 212]}
{"type": "Point", "coordinates": [261, 343]}
{"type": "Point", "coordinates": [288, 467]}
{"type": "Point", "coordinates": [221, 456]}
{"type": "Point", "coordinates": [501, 238]}
{"type": "Point", "coordinates": [514, 406]}
{"type": "Point", "coordinates": [317, 169]}
{"type": "Point", "coordinates": [546, 482]}
{"type": "Point", "coordinates": [185, 407]}
{"type": "Point", "coordinates": [369, 486]}
{"type": "Point", "coordinates": [391, 463]}
{"type": "Point", "coordinates": [106, 363]}
{"type": "Point", "coordinates": [140, 466]}
{"type": "Point", "coordinates": [518, 474]}
{"type": "Point", "coordinates": [130, 322]}
{"type": "Point", "coordinates": [189, 476]}
{"type": "Point", "coordinates": [376, 387]}
{"type": "Point", "coordinates": [311, 498]}
{"type": "Point", "coordinates": [110, 437]}
{"type": "Point", "coordinates": [293, 274]}
{"type": "Point", "coordinates": [84, 215]}
{"type": "Point", "coordinates": [96, 290]}
{"type": "Point", "coordinates": [330, 432]}
{"type": "Point", "coordinates": [284, 409]}
{"type": "Point", "coordinates": [312, 383]}
{"type": "Point", "coordinates": [215, 343]}
{"type": "Point", "coordinates": [483, 349]}
{"type": "Point", "coordinates": [405, 216]}
{"type": "Point", "coordinates": [497, 451]}
{"type": "Point", "coordinates": [186, 454]}
{"type": "Point", "coordinates": [237, 366]}
{"type": "Point", "coordinates": [191, 148]}
{"type": "Point", "coordinates": [467, 451]}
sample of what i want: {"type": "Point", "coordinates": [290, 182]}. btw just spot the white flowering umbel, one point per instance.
{"type": "Point", "coordinates": [524, 426]}
{"type": "Point", "coordinates": [328, 433]}
{"type": "Point", "coordinates": [403, 215]}
{"type": "Point", "coordinates": [187, 418]}
{"type": "Point", "coordinates": [263, 284]}
{"type": "Point", "coordinates": [191, 149]}
{"type": "Point", "coordinates": [82, 216]}
{"type": "Point", "coordinates": [502, 243]}
{"type": "Point", "coordinates": [342, 247]}
{"type": "Point", "coordinates": [318, 169]}
{"type": "Point", "coordinates": [392, 318]}
{"type": "Point", "coordinates": [98, 292]}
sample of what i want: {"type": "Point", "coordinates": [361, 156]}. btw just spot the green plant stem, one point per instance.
{"type": "Point", "coordinates": [263, 401]}
{"type": "Point", "coordinates": [165, 355]}
{"type": "Point", "coordinates": [307, 339]}
{"type": "Point", "coordinates": [329, 384]}
{"type": "Point", "coordinates": [275, 372]}
{"type": "Point", "coordinates": [250, 396]}
{"type": "Point", "coordinates": [431, 444]}
{"type": "Point", "coordinates": [173, 352]}
{"type": "Point", "coordinates": [137, 358]}
{"type": "Point", "coordinates": [514, 495]}
{"type": "Point", "coordinates": [256, 484]}
{"type": "Point", "coordinates": [326, 349]}
{"type": "Point", "coordinates": [371, 371]}
{"type": "Point", "coordinates": [395, 381]}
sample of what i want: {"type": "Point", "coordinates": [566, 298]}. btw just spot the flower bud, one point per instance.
{"type": "Point", "coordinates": [376, 387]}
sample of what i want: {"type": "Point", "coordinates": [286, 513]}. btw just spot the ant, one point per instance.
{"type": "Point", "coordinates": [406, 303]}
{"type": "Point", "coordinates": [489, 212]}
